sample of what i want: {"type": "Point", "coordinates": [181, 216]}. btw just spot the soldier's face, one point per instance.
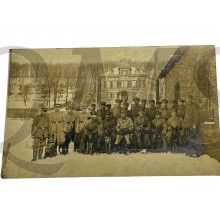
{"type": "Point", "coordinates": [108, 117]}
{"type": "Point", "coordinates": [141, 113]}
{"type": "Point", "coordinates": [180, 103]}
{"type": "Point", "coordinates": [123, 115]}
{"type": "Point", "coordinates": [118, 103]}
{"type": "Point", "coordinates": [136, 102]}
{"type": "Point", "coordinates": [151, 104]}
{"type": "Point", "coordinates": [164, 104]}
{"type": "Point", "coordinates": [93, 117]}
{"type": "Point", "coordinates": [84, 110]}
{"type": "Point", "coordinates": [43, 113]}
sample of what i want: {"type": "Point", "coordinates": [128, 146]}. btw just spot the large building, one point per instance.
{"type": "Point", "coordinates": [126, 82]}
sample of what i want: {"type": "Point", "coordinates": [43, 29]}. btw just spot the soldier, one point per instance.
{"type": "Point", "coordinates": [191, 117]}
{"type": "Point", "coordinates": [158, 106]}
{"type": "Point", "coordinates": [142, 128]}
{"type": "Point", "coordinates": [89, 142]}
{"type": "Point", "coordinates": [125, 107]}
{"type": "Point", "coordinates": [174, 127]}
{"type": "Point", "coordinates": [151, 111]}
{"type": "Point", "coordinates": [172, 106]}
{"type": "Point", "coordinates": [116, 110]}
{"type": "Point", "coordinates": [124, 128]}
{"type": "Point", "coordinates": [158, 137]}
{"type": "Point", "coordinates": [93, 109]}
{"type": "Point", "coordinates": [106, 132]}
{"type": "Point", "coordinates": [165, 112]}
{"type": "Point", "coordinates": [70, 127]}
{"type": "Point", "coordinates": [143, 105]}
{"type": "Point", "coordinates": [40, 132]}
{"type": "Point", "coordinates": [58, 129]}
{"type": "Point", "coordinates": [135, 108]}
{"type": "Point", "coordinates": [80, 122]}
{"type": "Point", "coordinates": [181, 108]}
{"type": "Point", "coordinates": [102, 111]}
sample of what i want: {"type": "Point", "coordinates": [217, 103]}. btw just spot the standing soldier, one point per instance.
{"type": "Point", "coordinates": [93, 109]}
{"type": "Point", "coordinates": [70, 127]}
{"type": "Point", "coordinates": [181, 108]}
{"type": "Point", "coordinates": [116, 109]}
{"type": "Point", "coordinates": [125, 107]}
{"type": "Point", "coordinates": [135, 108]}
{"type": "Point", "coordinates": [142, 128]}
{"type": "Point", "coordinates": [124, 128]}
{"type": "Point", "coordinates": [159, 132]}
{"type": "Point", "coordinates": [191, 117]}
{"type": "Point", "coordinates": [90, 136]}
{"type": "Point", "coordinates": [158, 106]}
{"type": "Point", "coordinates": [174, 126]}
{"type": "Point", "coordinates": [172, 106]}
{"type": "Point", "coordinates": [143, 106]}
{"type": "Point", "coordinates": [151, 111]}
{"type": "Point", "coordinates": [58, 129]}
{"type": "Point", "coordinates": [165, 112]}
{"type": "Point", "coordinates": [81, 120]}
{"type": "Point", "coordinates": [102, 111]}
{"type": "Point", "coordinates": [40, 133]}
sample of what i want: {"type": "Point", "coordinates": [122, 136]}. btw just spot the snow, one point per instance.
{"type": "Point", "coordinates": [134, 164]}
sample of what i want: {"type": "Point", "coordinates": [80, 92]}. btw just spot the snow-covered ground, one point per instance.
{"type": "Point", "coordinates": [75, 164]}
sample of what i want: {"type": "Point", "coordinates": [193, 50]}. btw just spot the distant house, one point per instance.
{"type": "Point", "coordinates": [192, 71]}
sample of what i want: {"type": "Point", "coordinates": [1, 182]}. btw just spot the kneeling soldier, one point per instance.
{"type": "Point", "coordinates": [142, 128]}
{"type": "Point", "coordinates": [124, 128]}
{"type": "Point", "coordinates": [40, 132]}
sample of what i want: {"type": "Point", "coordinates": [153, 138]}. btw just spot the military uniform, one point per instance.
{"type": "Point", "coordinates": [90, 131]}
{"type": "Point", "coordinates": [159, 130]}
{"type": "Point", "coordinates": [135, 108]}
{"type": "Point", "coordinates": [151, 112]}
{"type": "Point", "coordinates": [181, 111]}
{"type": "Point", "coordinates": [107, 128]}
{"type": "Point", "coordinates": [116, 111]}
{"type": "Point", "coordinates": [70, 128]}
{"type": "Point", "coordinates": [142, 128]}
{"type": "Point", "coordinates": [174, 123]}
{"type": "Point", "coordinates": [126, 123]}
{"type": "Point", "coordinates": [58, 129]}
{"type": "Point", "coordinates": [80, 122]}
{"type": "Point", "coordinates": [164, 112]}
{"type": "Point", "coordinates": [40, 132]}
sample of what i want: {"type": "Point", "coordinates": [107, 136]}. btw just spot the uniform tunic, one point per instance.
{"type": "Point", "coordinates": [135, 108]}
{"type": "Point", "coordinates": [122, 124]}
{"type": "Point", "coordinates": [116, 111]}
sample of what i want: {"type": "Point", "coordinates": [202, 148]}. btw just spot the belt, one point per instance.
{"type": "Point", "coordinates": [56, 122]}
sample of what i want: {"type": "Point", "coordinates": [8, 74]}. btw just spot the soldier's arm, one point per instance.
{"type": "Point", "coordinates": [118, 125]}
{"type": "Point", "coordinates": [34, 124]}
{"type": "Point", "coordinates": [130, 125]}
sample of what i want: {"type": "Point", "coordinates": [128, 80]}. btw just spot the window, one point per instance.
{"type": "Point", "coordinates": [111, 84]}
{"type": "Point", "coordinates": [134, 84]}
{"type": "Point", "coordinates": [118, 84]}
{"type": "Point", "coordinates": [125, 84]}
{"type": "Point", "coordinates": [129, 84]}
{"type": "Point", "coordinates": [110, 95]}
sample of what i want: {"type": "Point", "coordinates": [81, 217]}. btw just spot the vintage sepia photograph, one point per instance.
{"type": "Point", "coordinates": [120, 111]}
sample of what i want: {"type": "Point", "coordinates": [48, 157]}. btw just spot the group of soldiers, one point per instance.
{"type": "Point", "coordinates": [121, 128]}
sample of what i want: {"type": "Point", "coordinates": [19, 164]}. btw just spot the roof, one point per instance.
{"type": "Point", "coordinates": [173, 60]}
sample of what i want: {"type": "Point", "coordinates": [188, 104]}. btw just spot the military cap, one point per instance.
{"type": "Point", "coordinates": [126, 104]}
{"type": "Point", "coordinates": [44, 108]}
{"type": "Point", "coordinates": [143, 100]}
{"type": "Point", "coordinates": [108, 105]}
{"type": "Point", "coordinates": [157, 113]}
{"type": "Point", "coordinates": [164, 101]}
{"type": "Point", "coordinates": [181, 100]}
{"type": "Point", "coordinates": [136, 99]}
{"type": "Point", "coordinates": [93, 105]}
{"type": "Point", "coordinates": [118, 100]}
{"type": "Point", "coordinates": [151, 100]}
{"type": "Point", "coordinates": [103, 103]}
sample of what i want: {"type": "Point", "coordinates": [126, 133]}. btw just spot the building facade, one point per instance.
{"type": "Point", "coordinates": [126, 82]}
